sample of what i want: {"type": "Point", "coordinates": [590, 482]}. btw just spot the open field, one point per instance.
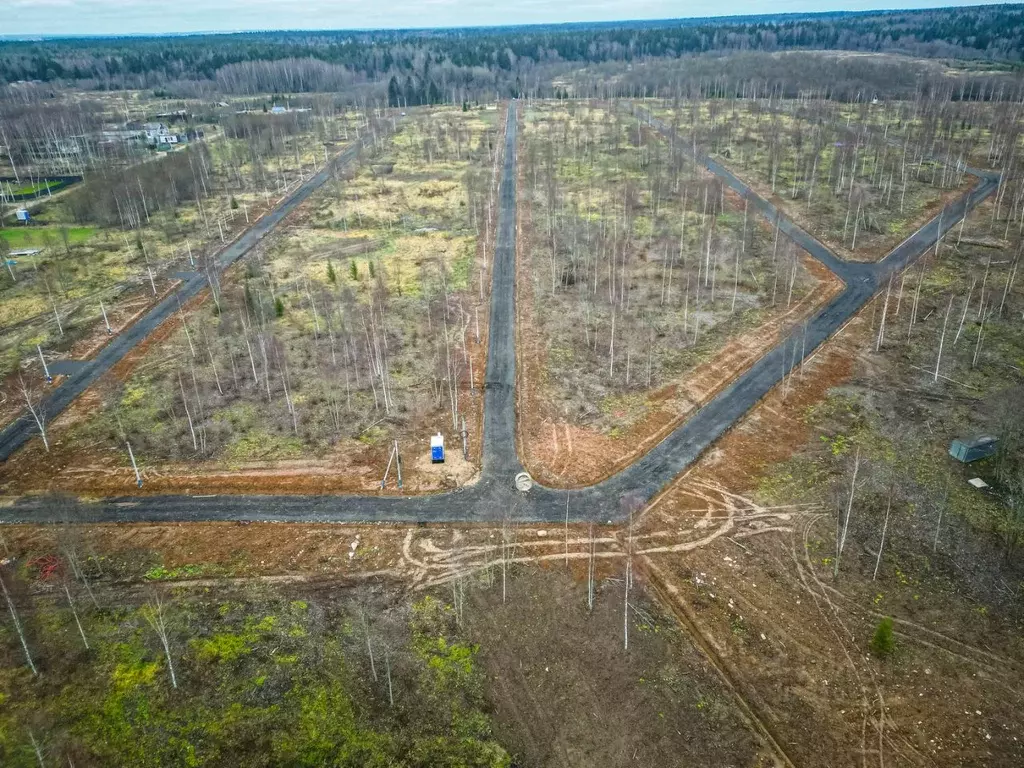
{"type": "Point", "coordinates": [839, 173]}
{"type": "Point", "coordinates": [644, 283]}
{"type": "Point", "coordinates": [358, 323]}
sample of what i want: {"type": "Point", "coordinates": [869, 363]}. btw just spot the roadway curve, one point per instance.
{"type": "Point", "coordinates": [493, 496]}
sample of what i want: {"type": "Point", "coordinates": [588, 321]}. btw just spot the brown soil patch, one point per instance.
{"type": "Point", "coordinates": [758, 597]}
{"type": "Point", "coordinates": [230, 549]}
{"type": "Point", "coordinates": [795, 648]}
{"type": "Point", "coordinates": [659, 704]}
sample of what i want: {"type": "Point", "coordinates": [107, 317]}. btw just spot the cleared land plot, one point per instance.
{"type": "Point", "coordinates": [119, 237]}
{"type": "Point", "coordinates": [260, 675]}
{"type": "Point", "coordinates": [646, 287]}
{"type": "Point", "coordinates": [980, 134]}
{"type": "Point", "coordinates": [355, 325]}
{"type": "Point", "coordinates": [849, 183]}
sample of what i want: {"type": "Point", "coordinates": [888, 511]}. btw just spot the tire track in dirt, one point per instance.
{"type": "Point", "coordinates": [830, 622]}
{"type": "Point", "coordinates": [821, 590]}
{"type": "Point", "coordinates": [668, 595]}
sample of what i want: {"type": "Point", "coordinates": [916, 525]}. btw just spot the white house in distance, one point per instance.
{"type": "Point", "coordinates": [154, 131]}
{"type": "Point", "coordinates": [158, 133]}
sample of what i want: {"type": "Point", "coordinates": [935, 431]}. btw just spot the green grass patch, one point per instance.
{"type": "Point", "coordinates": [263, 445]}
{"type": "Point", "coordinates": [39, 237]}
{"type": "Point", "coordinates": [159, 573]}
{"type": "Point", "coordinates": [32, 188]}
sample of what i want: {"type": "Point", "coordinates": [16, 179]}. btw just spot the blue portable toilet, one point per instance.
{"type": "Point", "coordinates": [968, 449]}
{"type": "Point", "coordinates": [437, 448]}
{"type": "Point", "coordinates": [23, 215]}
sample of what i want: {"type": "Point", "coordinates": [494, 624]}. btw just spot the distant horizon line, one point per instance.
{"type": "Point", "coordinates": [43, 37]}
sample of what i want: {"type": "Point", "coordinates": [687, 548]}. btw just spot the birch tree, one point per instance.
{"type": "Point", "coordinates": [155, 614]}
{"type": "Point", "coordinates": [35, 407]}
{"type": "Point", "coordinates": [843, 521]}
{"type": "Point", "coordinates": [18, 628]}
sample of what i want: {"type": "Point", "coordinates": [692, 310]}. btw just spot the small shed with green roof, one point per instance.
{"type": "Point", "coordinates": [968, 449]}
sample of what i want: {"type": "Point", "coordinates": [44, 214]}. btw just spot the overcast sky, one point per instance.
{"type": "Point", "coordinates": [90, 17]}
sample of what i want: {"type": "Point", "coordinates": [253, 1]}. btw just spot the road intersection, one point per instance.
{"type": "Point", "coordinates": [493, 496]}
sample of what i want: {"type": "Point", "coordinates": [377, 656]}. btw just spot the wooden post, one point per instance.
{"type": "Point", "coordinates": [387, 469]}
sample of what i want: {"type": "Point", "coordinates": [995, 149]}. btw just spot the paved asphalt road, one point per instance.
{"type": "Point", "coordinates": [493, 496]}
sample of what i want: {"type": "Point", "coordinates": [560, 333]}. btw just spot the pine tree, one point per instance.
{"type": "Point", "coordinates": [883, 643]}
{"type": "Point", "coordinates": [331, 276]}
{"type": "Point", "coordinates": [394, 92]}
{"type": "Point", "coordinates": [278, 307]}
{"type": "Point", "coordinates": [353, 270]}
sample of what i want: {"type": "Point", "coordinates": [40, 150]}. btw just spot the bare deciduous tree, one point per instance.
{"type": "Point", "coordinates": [18, 627]}
{"type": "Point", "coordinates": [154, 612]}
{"type": "Point", "coordinates": [36, 409]}
{"type": "Point", "coordinates": [843, 522]}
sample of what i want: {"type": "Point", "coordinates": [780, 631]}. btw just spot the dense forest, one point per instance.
{"type": "Point", "coordinates": [422, 66]}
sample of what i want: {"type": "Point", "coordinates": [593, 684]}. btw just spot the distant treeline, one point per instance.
{"type": "Point", "coordinates": [451, 64]}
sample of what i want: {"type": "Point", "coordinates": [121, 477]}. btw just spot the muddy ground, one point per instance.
{"type": "Point", "coordinates": [565, 693]}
